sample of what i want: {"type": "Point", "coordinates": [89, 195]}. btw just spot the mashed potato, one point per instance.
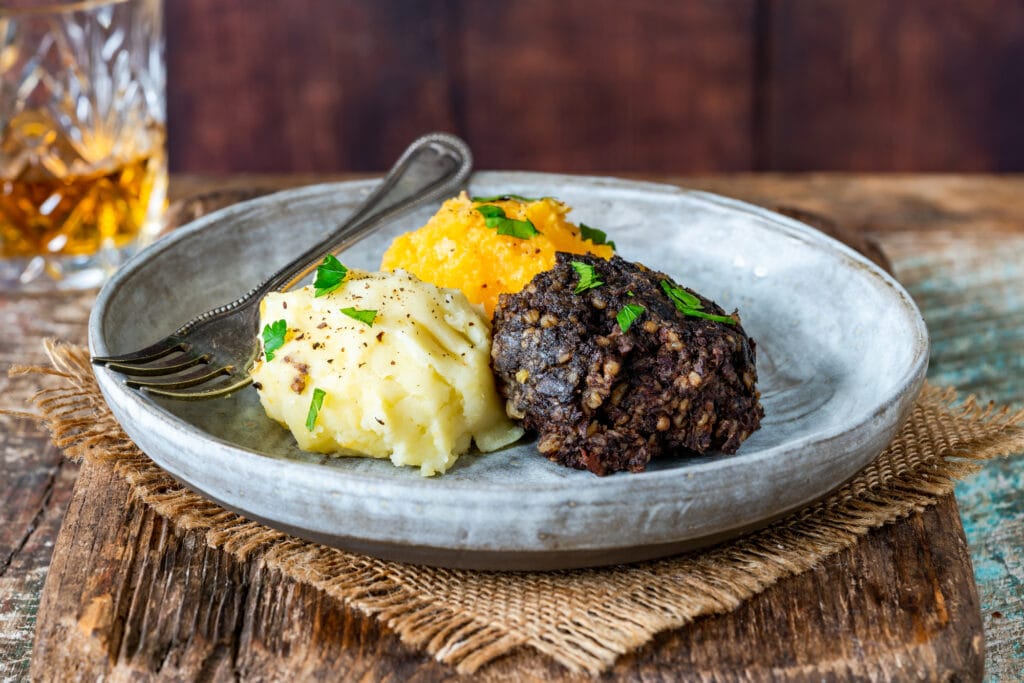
{"type": "Point", "coordinates": [457, 249]}
{"type": "Point", "coordinates": [415, 385]}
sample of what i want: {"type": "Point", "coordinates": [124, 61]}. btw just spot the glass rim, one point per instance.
{"type": "Point", "coordinates": [59, 7]}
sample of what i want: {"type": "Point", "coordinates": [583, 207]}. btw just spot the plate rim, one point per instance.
{"type": "Point", "coordinates": [793, 227]}
{"type": "Point", "coordinates": [903, 391]}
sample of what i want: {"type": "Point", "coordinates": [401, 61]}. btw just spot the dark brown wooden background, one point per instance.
{"type": "Point", "coordinates": [599, 85]}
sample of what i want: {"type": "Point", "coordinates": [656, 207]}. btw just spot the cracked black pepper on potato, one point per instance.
{"type": "Point", "coordinates": [613, 375]}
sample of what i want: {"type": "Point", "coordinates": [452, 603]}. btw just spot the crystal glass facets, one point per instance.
{"type": "Point", "coordinates": [82, 161]}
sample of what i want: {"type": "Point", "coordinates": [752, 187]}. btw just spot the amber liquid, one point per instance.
{"type": "Point", "coordinates": [76, 215]}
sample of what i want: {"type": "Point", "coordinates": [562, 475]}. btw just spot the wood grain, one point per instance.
{"type": "Point", "coordinates": [322, 85]}
{"type": "Point", "coordinates": [158, 603]}
{"type": "Point", "coordinates": [977, 333]}
{"type": "Point", "coordinates": [871, 204]}
{"type": "Point", "coordinates": [35, 481]}
{"type": "Point", "coordinates": [318, 85]}
{"type": "Point", "coordinates": [945, 232]}
{"type": "Point", "coordinates": [307, 85]}
{"type": "Point", "coordinates": [598, 85]}
{"type": "Point", "coordinates": [591, 85]}
{"type": "Point", "coordinates": [923, 85]}
{"type": "Point", "coordinates": [162, 603]}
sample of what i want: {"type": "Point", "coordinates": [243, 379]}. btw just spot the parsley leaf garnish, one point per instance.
{"type": "Point", "coordinates": [629, 314]}
{"type": "Point", "coordinates": [273, 337]}
{"type": "Point", "coordinates": [491, 211]}
{"type": "Point", "coordinates": [596, 236]}
{"type": "Point", "coordinates": [314, 408]}
{"type": "Point", "coordinates": [523, 230]}
{"type": "Point", "coordinates": [588, 277]}
{"type": "Point", "coordinates": [505, 197]}
{"type": "Point", "coordinates": [710, 316]}
{"type": "Point", "coordinates": [329, 275]}
{"type": "Point", "coordinates": [494, 217]}
{"type": "Point", "coordinates": [680, 297]}
{"type": "Point", "coordinates": [364, 316]}
{"type": "Point", "coordinates": [688, 304]}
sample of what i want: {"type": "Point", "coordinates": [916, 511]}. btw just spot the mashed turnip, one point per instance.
{"type": "Point", "coordinates": [456, 248]}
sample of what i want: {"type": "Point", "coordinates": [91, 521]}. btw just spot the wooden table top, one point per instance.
{"type": "Point", "coordinates": [957, 243]}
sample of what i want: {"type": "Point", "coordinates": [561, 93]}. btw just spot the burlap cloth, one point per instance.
{"type": "Point", "coordinates": [583, 619]}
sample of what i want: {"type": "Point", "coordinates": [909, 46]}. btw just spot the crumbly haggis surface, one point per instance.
{"type": "Point", "coordinates": [606, 400]}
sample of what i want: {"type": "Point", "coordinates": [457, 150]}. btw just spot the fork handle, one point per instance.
{"type": "Point", "coordinates": [433, 166]}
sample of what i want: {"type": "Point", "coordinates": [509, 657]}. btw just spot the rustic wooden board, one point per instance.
{"type": "Point", "coordinates": [902, 602]}
{"type": "Point", "coordinates": [971, 291]}
{"type": "Point", "coordinates": [35, 480]}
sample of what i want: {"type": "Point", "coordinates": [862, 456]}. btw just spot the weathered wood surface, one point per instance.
{"type": "Point", "coordinates": [598, 85]}
{"type": "Point", "coordinates": [971, 291]}
{"type": "Point", "coordinates": [923, 610]}
{"type": "Point", "coordinates": [35, 481]}
{"type": "Point", "coordinates": [154, 602]}
{"type": "Point", "coordinates": [918, 85]}
{"type": "Point", "coordinates": [927, 223]}
{"type": "Point", "coordinates": [971, 206]}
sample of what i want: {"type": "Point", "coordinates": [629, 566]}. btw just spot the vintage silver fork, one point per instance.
{"type": "Point", "coordinates": [211, 355]}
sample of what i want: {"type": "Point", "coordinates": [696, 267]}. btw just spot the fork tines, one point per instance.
{"type": "Point", "coordinates": [162, 348]}
{"type": "Point", "coordinates": [177, 367]}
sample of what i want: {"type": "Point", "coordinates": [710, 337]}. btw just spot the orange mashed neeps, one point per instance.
{"type": "Point", "coordinates": [457, 249]}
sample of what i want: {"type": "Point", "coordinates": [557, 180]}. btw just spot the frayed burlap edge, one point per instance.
{"type": "Point", "coordinates": [583, 619]}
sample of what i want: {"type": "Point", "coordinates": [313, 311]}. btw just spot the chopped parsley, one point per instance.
{"type": "Point", "coordinates": [505, 197]}
{"type": "Point", "coordinates": [588, 277]}
{"type": "Point", "coordinates": [314, 408]}
{"type": "Point", "coordinates": [688, 304]}
{"type": "Point", "coordinates": [491, 211]}
{"type": "Point", "coordinates": [494, 217]}
{"type": "Point", "coordinates": [596, 236]}
{"type": "Point", "coordinates": [363, 316]}
{"type": "Point", "coordinates": [329, 275]}
{"type": "Point", "coordinates": [628, 315]}
{"type": "Point", "coordinates": [273, 337]}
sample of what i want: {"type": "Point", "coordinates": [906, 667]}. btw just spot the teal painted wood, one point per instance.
{"type": "Point", "coordinates": [971, 293]}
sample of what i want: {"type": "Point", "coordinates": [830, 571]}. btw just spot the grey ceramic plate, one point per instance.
{"type": "Point", "coordinates": [842, 352]}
